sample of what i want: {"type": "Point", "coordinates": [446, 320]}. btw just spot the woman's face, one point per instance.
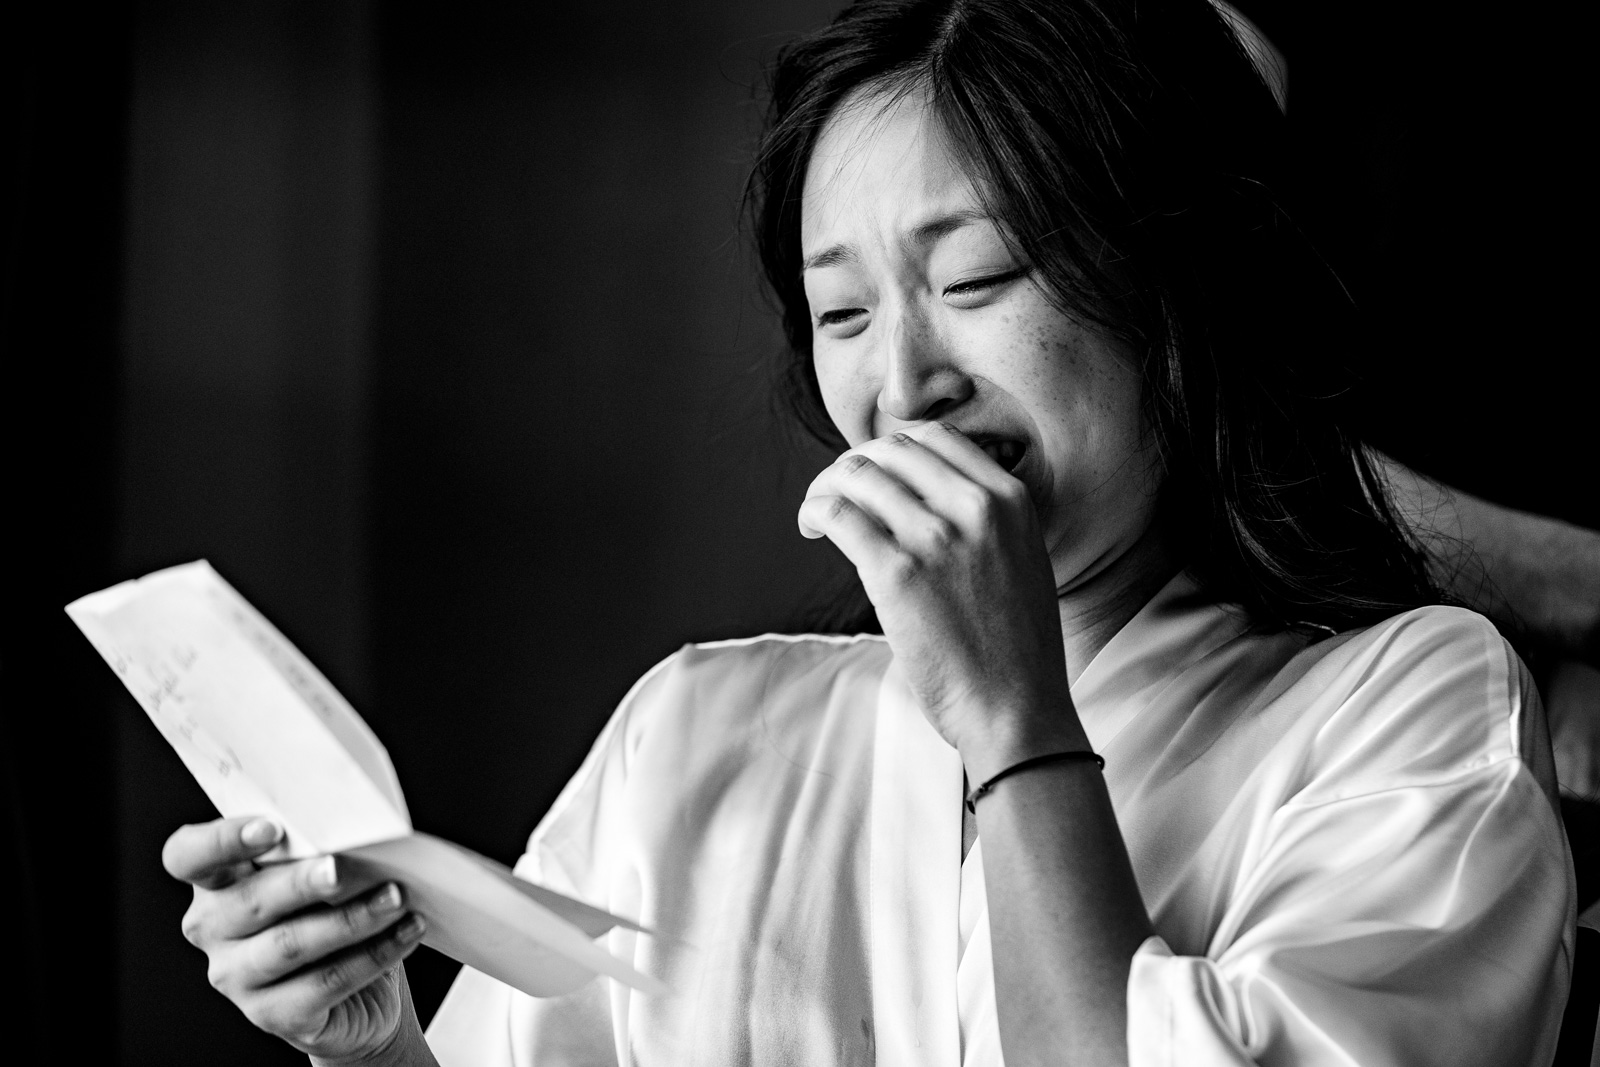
{"type": "Point", "coordinates": [919, 310]}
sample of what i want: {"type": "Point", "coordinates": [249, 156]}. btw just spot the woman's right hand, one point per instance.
{"type": "Point", "coordinates": [305, 951]}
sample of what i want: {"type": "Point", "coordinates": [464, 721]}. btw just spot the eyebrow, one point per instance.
{"type": "Point", "coordinates": [924, 234]}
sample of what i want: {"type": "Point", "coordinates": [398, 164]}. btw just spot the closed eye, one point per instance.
{"type": "Point", "coordinates": [839, 316]}
{"type": "Point", "coordinates": [980, 285]}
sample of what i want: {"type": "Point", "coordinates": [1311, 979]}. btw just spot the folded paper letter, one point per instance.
{"type": "Point", "coordinates": [264, 733]}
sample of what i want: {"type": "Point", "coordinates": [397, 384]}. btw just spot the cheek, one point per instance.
{"type": "Point", "coordinates": [845, 395]}
{"type": "Point", "coordinates": [1096, 391]}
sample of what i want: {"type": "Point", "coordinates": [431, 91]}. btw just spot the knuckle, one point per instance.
{"type": "Point", "coordinates": [193, 925]}
{"type": "Point", "coordinates": [268, 1017]}
{"type": "Point", "coordinates": [332, 978]}
{"type": "Point", "coordinates": [941, 532]}
{"type": "Point", "coordinates": [336, 976]}
{"type": "Point", "coordinates": [353, 918]}
{"type": "Point", "coordinates": [856, 464]}
{"type": "Point", "coordinates": [979, 503]}
{"type": "Point", "coordinates": [219, 977]}
{"type": "Point", "coordinates": [1013, 491]}
{"type": "Point", "coordinates": [381, 951]}
{"type": "Point", "coordinates": [902, 568]}
{"type": "Point", "coordinates": [248, 897]}
{"type": "Point", "coordinates": [837, 508]}
{"type": "Point", "coordinates": [217, 839]}
{"type": "Point", "coordinates": [287, 942]}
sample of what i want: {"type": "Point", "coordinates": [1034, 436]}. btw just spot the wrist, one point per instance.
{"type": "Point", "coordinates": [1004, 739]}
{"type": "Point", "coordinates": [406, 1046]}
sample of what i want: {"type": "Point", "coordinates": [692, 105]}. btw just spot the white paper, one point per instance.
{"type": "Point", "coordinates": [478, 912]}
{"type": "Point", "coordinates": [264, 733]}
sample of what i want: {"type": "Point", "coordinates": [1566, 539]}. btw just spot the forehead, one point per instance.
{"type": "Point", "coordinates": [883, 163]}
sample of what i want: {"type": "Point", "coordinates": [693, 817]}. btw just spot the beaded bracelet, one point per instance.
{"type": "Point", "coordinates": [1053, 757]}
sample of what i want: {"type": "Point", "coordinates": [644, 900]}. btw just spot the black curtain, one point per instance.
{"type": "Point", "coordinates": [65, 74]}
{"type": "Point", "coordinates": [1442, 148]}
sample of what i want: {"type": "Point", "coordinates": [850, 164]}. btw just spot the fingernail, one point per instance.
{"type": "Point", "coordinates": [413, 927]}
{"type": "Point", "coordinates": [326, 876]}
{"type": "Point", "coordinates": [259, 832]}
{"type": "Point", "coordinates": [388, 898]}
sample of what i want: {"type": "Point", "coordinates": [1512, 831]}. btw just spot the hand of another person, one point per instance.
{"type": "Point", "coordinates": [949, 548]}
{"type": "Point", "coordinates": [305, 952]}
{"type": "Point", "coordinates": [1571, 692]}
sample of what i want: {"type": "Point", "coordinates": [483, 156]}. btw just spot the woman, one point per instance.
{"type": "Point", "coordinates": [1038, 281]}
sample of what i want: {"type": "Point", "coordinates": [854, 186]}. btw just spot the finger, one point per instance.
{"type": "Point", "coordinates": [316, 935]}
{"type": "Point", "coordinates": [210, 855]}
{"type": "Point", "coordinates": [961, 452]}
{"type": "Point", "coordinates": [268, 896]}
{"type": "Point", "coordinates": [317, 989]}
{"type": "Point", "coordinates": [962, 502]}
{"type": "Point", "coordinates": [926, 472]}
{"type": "Point", "coordinates": [858, 535]}
{"type": "Point", "coordinates": [1000, 492]}
{"type": "Point", "coordinates": [876, 491]}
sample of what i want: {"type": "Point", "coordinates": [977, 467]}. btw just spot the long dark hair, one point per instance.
{"type": "Point", "coordinates": [1134, 152]}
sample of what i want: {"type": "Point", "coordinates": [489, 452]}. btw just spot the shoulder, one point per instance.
{"type": "Point", "coordinates": [1432, 693]}
{"type": "Point", "coordinates": [709, 700]}
{"type": "Point", "coordinates": [1438, 657]}
{"type": "Point", "coordinates": [768, 659]}
{"type": "Point", "coordinates": [727, 679]}
{"type": "Point", "coordinates": [1434, 629]}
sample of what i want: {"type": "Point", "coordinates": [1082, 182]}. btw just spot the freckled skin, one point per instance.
{"type": "Point", "coordinates": [1012, 365]}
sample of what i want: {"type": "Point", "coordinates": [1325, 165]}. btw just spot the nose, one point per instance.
{"type": "Point", "coordinates": [920, 379]}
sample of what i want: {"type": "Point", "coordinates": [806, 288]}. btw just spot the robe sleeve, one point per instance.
{"type": "Point", "coordinates": [1410, 905]}
{"type": "Point", "coordinates": [485, 1023]}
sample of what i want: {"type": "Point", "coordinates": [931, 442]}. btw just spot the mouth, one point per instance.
{"type": "Point", "coordinates": [1004, 451]}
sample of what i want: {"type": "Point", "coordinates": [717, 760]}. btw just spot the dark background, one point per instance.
{"type": "Point", "coordinates": [432, 328]}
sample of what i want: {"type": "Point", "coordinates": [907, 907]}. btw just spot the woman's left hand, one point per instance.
{"type": "Point", "coordinates": [948, 546]}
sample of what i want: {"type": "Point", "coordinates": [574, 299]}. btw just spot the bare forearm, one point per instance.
{"type": "Point", "coordinates": [1065, 916]}
{"type": "Point", "coordinates": [1546, 572]}
{"type": "Point", "coordinates": [1529, 570]}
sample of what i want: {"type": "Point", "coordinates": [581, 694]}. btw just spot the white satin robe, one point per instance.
{"type": "Point", "coordinates": [1349, 851]}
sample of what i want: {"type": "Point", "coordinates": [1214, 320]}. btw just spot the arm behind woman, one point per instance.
{"type": "Point", "coordinates": [1529, 570]}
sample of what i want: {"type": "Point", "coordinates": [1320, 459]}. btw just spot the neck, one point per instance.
{"type": "Point", "coordinates": [1101, 601]}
